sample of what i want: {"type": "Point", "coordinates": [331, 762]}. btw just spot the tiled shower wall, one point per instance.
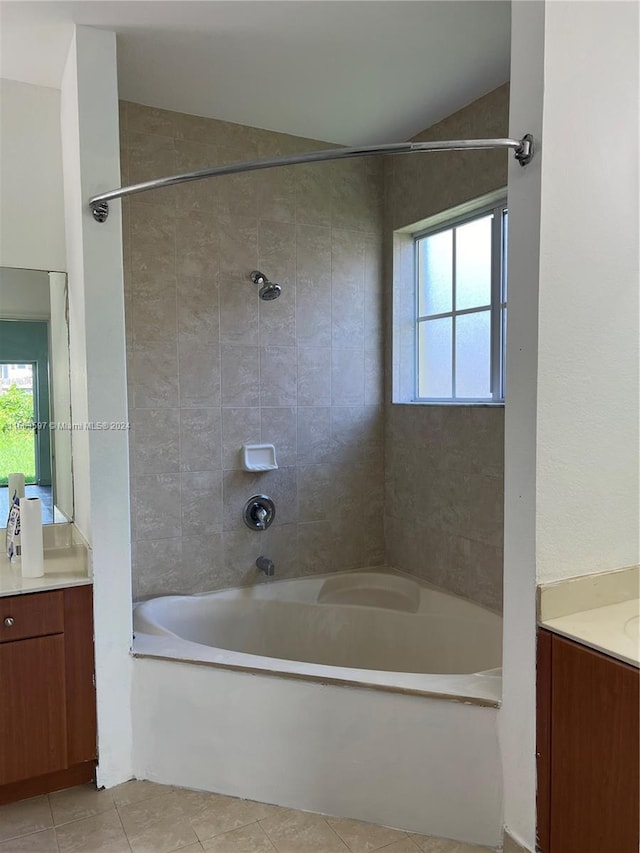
{"type": "Point", "coordinates": [211, 367]}
{"type": "Point", "coordinates": [444, 464]}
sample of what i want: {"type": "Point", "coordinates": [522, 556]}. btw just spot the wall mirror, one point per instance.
{"type": "Point", "coordinates": [35, 394]}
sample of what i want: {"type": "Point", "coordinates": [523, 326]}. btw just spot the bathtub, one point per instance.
{"type": "Point", "coordinates": [375, 629]}
{"type": "Point", "coordinates": [361, 694]}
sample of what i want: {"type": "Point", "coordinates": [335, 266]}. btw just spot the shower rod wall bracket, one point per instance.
{"type": "Point", "coordinates": [523, 150]}
{"type": "Point", "coordinates": [100, 210]}
{"type": "Point", "coordinates": [524, 154]}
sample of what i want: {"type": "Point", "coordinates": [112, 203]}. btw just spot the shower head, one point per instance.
{"type": "Point", "coordinates": [268, 289]}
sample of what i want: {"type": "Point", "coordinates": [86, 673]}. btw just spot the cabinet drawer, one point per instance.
{"type": "Point", "coordinates": [33, 615]}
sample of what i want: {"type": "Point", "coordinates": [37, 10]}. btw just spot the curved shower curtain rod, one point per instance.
{"type": "Point", "coordinates": [522, 148]}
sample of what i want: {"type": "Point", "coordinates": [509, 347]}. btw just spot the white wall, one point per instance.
{"type": "Point", "coordinates": [571, 428]}
{"type": "Point", "coordinates": [517, 716]}
{"type": "Point", "coordinates": [31, 199]}
{"type": "Point", "coordinates": [588, 516]}
{"type": "Point", "coordinates": [96, 297]}
{"type": "Point", "coordinates": [24, 294]}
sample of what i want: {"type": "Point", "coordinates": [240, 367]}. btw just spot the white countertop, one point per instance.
{"type": "Point", "coordinates": [62, 566]}
{"type": "Point", "coordinates": [601, 611]}
{"type": "Point", "coordinates": [612, 629]}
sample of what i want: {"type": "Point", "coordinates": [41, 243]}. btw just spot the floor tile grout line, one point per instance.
{"type": "Point", "coordinates": [336, 833]}
{"type": "Point", "coordinates": [124, 830]}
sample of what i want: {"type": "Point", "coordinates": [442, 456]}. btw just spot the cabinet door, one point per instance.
{"type": "Point", "coordinates": [32, 708]}
{"type": "Point", "coordinates": [594, 752]}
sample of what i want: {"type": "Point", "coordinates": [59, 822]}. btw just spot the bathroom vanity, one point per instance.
{"type": "Point", "coordinates": [47, 692]}
{"type": "Point", "coordinates": [588, 712]}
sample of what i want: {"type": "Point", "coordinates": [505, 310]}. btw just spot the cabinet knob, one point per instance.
{"type": "Point", "coordinates": [9, 621]}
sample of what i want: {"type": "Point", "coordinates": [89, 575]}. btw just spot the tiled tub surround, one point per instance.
{"type": "Point", "coordinates": [444, 464]}
{"type": "Point", "coordinates": [211, 367]}
{"type": "Point", "coordinates": [444, 497]}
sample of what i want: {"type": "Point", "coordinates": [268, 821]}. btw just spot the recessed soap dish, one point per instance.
{"type": "Point", "coordinates": [259, 457]}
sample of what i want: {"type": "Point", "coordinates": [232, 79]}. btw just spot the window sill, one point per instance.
{"type": "Point", "coordinates": [455, 403]}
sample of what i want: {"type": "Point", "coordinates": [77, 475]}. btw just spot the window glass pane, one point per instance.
{"type": "Point", "coordinates": [473, 355]}
{"type": "Point", "coordinates": [435, 259]}
{"type": "Point", "coordinates": [434, 358]}
{"type": "Point", "coordinates": [473, 263]}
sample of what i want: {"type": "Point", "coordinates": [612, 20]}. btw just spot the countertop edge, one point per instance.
{"type": "Point", "coordinates": [589, 644]}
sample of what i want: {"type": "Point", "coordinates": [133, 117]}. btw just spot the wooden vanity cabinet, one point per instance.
{"type": "Point", "coordinates": [588, 750]}
{"type": "Point", "coordinates": [47, 693]}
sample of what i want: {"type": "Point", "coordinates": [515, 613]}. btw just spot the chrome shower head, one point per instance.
{"type": "Point", "coordinates": [268, 289]}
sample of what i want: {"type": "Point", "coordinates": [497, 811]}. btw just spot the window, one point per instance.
{"type": "Point", "coordinates": [460, 308]}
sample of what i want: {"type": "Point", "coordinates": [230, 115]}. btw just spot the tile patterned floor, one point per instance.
{"type": "Point", "coordinates": [142, 817]}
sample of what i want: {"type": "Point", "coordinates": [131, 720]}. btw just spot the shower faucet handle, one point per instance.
{"type": "Point", "coordinates": [259, 512]}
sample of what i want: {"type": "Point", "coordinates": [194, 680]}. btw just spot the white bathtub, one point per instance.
{"type": "Point", "coordinates": [327, 694]}
{"type": "Point", "coordinates": [371, 628]}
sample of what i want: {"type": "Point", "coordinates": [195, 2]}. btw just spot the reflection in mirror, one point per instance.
{"type": "Point", "coordinates": [35, 396]}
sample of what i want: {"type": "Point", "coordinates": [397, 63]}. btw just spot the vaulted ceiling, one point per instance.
{"type": "Point", "coordinates": [348, 72]}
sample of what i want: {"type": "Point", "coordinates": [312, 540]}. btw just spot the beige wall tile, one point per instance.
{"type": "Point", "coordinates": [444, 464]}
{"type": "Point", "coordinates": [313, 194]}
{"type": "Point", "coordinates": [238, 240]}
{"type": "Point", "coordinates": [157, 566]}
{"type": "Point", "coordinates": [239, 486]}
{"type": "Point", "coordinates": [313, 255]}
{"type": "Point", "coordinates": [240, 375]}
{"type": "Point", "coordinates": [315, 493]}
{"type": "Point", "coordinates": [155, 374]}
{"type": "Point", "coordinates": [143, 119]}
{"type": "Point", "coordinates": [153, 310]}
{"type": "Point", "coordinates": [314, 376]}
{"type": "Point", "coordinates": [200, 196]}
{"type": "Point", "coordinates": [239, 426]}
{"type": "Point", "coordinates": [239, 307]}
{"type": "Point", "coordinates": [278, 317]}
{"type": "Point", "coordinates": [313, 315]}
{"type": "Point", "coordinates": [199, 372]}
{"type": "Point", "coordinates": [199, 309]}
{"type": "Point", "coordinates": [156, 447]}
{"type": "Point", "coordinates": [279, 426]}
{"type": "Point", "coordinates": [278, 376]}
{"type": "Point", "coordinates": [200, 439]}
{"type": "Point", "coordinates": [203, 566]}
{"type": "Point", "coordinates": [347, 377]}
{"type": "Point", "coordinates": [211, 367]}
{"type": "Point", "coordinates": [201, 502]}
{"type": "Point", "coordinates": [158, 506]}
{"type": "Point", "coordinates": [314, 434]}
{"type": "Point", "coordinates": [314, 548]}
{"type": "Point", "coordinates": [198, 247]}
{"type": "Point", "coordinates": [277, 194]}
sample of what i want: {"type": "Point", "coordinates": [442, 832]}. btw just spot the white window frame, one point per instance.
{"type": "Point", "coordinates": [497, 307]}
